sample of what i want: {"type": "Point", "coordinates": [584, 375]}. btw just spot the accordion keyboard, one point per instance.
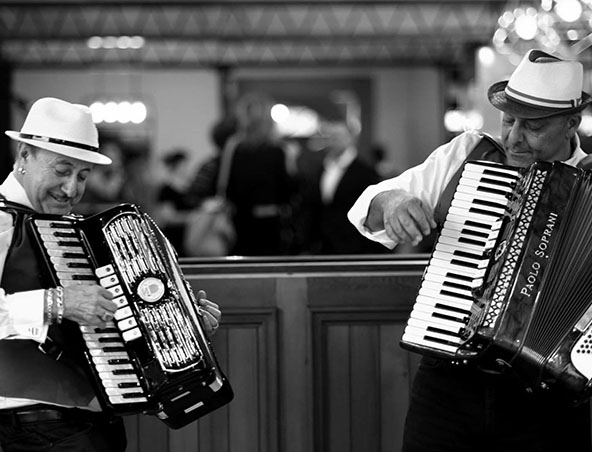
{"type": "Point", "coordinates": [106, 346]}
{"type": "Point", "coordinates": [460, 257]}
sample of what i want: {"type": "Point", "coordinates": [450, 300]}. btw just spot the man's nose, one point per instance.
{"type": "Point", "coordinates": [515, 134]}
{"type": "Point", "coordinates": [69, 187]}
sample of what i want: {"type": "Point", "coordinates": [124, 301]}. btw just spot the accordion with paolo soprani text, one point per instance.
{"type": "Point", "coordinates": [509, 280]}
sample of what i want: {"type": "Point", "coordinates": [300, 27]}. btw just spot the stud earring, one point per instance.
{"type": "Point", "coordinates": [21, 170]}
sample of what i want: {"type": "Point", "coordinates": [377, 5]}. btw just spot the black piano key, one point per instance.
{"type": "Point", "coordinates": [65, 234]}
{"type": "Point", "coordinates": [463, 263]}
{"type": "Point", "coordinates": [133, 395]}
{"type": "Point", "coordinates": [450, 293]}
{"type": "Point", "coordinates": [123, 372]}
{"type": "Point", "coordinates": [118, 361]}
{"type": "Point", "coordinates": [113, 349]}
{"type": "Point", "coordinates": [78, 265]}
{"type": "Point", "coordinates": [452, 308]}
{"type": "Point", "coordinates": [469, 241]}
{"type": "Point", "coordinates": [73, 255]}
{"type": "Point", "coordinates": [128, 384]}
{"type": "Point", "coordinates": [110, 339]}
{"type": "Point", "coordinates": [84, 277]}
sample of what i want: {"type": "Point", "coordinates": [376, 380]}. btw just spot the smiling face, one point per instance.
{"type": "Point", "coordinates": [545, 139]}
{"type": "Point", "coordinates": [54, 183]}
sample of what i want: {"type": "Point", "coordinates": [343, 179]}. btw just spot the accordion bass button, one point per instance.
{"type": "Point", "coordinates": [132, 334]}
{"type": "Point", "coordinates": [104, 271]}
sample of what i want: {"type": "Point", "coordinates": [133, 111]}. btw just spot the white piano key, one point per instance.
{"type": "Point", "coordinates": [431, 310]}
{"type": "Point", "coordinates": [53, 223]}
{"type": "Point", "coordinates": [478, 246]}
{"type": "Point", "coordinates": [467, 258]}
{"type": "Point", "coordinates": [109, 375]}
{"type": "Point", "coordinates": [416, 339]}
{"type": "Point", "coordinates": [106, 358]}
{"type": "Point", "coordinates": [451, 281]}
{"type": "Point", "coordinates": [468, 222]}
{"type": "Point", "coordinates": [101, 352]}
{"type": "Point", "coordinates": [71, 250]}
{"type": "Point", "coordinates": [446, 263]}
{"type": "Point", "coordinates": [67, 268]}
{"type": "Point", "coordinates": [424, 333]}
{"type": "Point", "coordinates": [479, 198]}
{"type": "Point", "coordinates": [431, 285]}
{"type": "Point", "coordinates": [487, 167]}
{"type": "Point", "coordinates": [461, 273]}
{"type": "Point", "coordinates": [488, 219]}
{"type": "Point", "coordinates": [120, 391]}
{"type": "Point", "coordinates": [424, 320]}
{"type": "Point", "coordinates": [95, 336]}
{"type": "Point", "coordinates": [452, 303]}
{"type": "Point", "coordinates": [494, 211]}
{"type": "Point", "coordinates": [112, 367]}
{"type": "Point", "coordinates": [93, 344]}
{"type": "Point", "coordinates": [132, 380]}
{"type": "Point", "coordinates": [119, 399]}
{"type": "Point", "coordinates": [437, 294]}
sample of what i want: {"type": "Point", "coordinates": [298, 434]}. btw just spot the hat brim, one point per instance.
{"type": "Point", "coordinates": [75, 153]}
{"type": "Point", "coordinates": [498, 98]}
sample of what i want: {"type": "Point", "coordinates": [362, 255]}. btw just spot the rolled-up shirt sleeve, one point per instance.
{"type": "Point", "coordinates": [426, 181]}
{"type": "Point", "coordinates": [21, 315]}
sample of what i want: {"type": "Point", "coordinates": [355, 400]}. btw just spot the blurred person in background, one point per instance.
{"type": "Point", "coordinates": [330, 182]}
{"type": "Point", "coordinates": [171, 205]}
{"type": "Point", "coordinates": [259, 187]}
{"type": "Point", "coordinates": [203, 184]}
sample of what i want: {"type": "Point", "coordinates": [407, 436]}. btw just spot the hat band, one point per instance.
{"type": "Point", "coordinates": [72, 144]}
{"type": "Point", "coordinates": [541, 102]}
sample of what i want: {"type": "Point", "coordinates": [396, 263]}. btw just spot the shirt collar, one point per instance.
{"type": "Point", "coordinates": [344, 159]}
{"type": "Point", "coordinates": [14, 191]}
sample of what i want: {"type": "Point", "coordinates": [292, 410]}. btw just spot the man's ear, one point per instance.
{"type": "Point", "coordinates": [573, 123]}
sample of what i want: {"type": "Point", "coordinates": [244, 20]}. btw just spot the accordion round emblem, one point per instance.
{"type": "Point", "coordinates": [500, 250]}
{"type": "Point", "coordinates": [151, 289]}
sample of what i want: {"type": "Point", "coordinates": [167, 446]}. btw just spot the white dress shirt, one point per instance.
{"type": "Point", "coordinates": [334, 168]}
{"type": "Point", "coordinates": [427, 181]}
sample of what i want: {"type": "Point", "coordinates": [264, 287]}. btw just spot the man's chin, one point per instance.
{"type": "Point", "coordinates": [57, 208]}
{"type": "Point", "coordinates": [521, 160]}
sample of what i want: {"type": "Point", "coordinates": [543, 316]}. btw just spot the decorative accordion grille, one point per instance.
{"type": "Point", "coordinates": [157, 304]}
{"type": "Point", "coordinates": [512, 254]}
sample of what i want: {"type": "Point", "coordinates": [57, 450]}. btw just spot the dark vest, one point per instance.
{"type": "Point", "coordinates": [25, 371]}
{"type": "Point", "coordinates": [486, 149]}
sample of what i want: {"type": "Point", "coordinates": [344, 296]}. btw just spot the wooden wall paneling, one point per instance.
{"type": "Point", "coordinates": [359, 373]}
{"type": "Point", "coordinates": [295, 369]}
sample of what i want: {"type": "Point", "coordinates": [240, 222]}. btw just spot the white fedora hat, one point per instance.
{"type": "Point", "coordinates": [542, 85]}
{"type": "Point", "coordinates": [62, 127]}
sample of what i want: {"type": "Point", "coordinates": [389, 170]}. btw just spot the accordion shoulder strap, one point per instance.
{"type": "Point", "coordinates": [486, 149]}
{"type": "Point", "coordinates": [14, 207]}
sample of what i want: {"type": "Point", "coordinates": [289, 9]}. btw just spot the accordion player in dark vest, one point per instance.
{"type": "Point", "coordinates": [46, 398]}
{"type": "Point", "coordinates": [455, 405]}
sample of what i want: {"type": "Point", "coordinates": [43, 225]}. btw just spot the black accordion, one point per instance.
{"type": "Point", "coordinates": [509, 281]}
{"type": "Point", "coordinates": [154, 357]}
